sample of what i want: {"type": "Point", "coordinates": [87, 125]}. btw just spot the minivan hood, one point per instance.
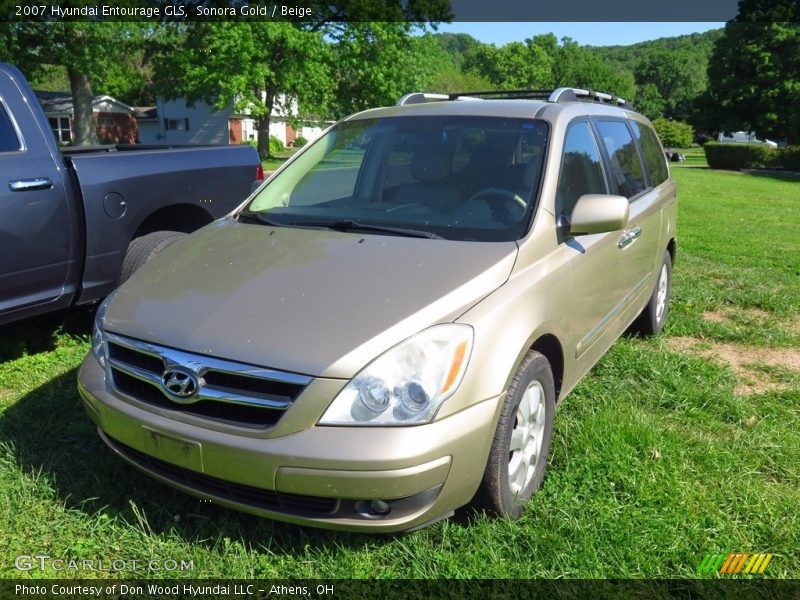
{"type": "Point", "coordinates": [311, 301]}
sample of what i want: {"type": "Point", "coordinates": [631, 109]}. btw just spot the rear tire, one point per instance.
{"type": "Point", "coordinates": [518, 457]}
{"type": "Point", "coordinates": [143, 249]}
{"type": "Point", "coordinates": [651, 320]}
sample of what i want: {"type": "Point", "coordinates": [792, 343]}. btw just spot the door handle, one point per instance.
{"type": "Point", "coordinates": [628, 236]}
{"type": "Point", "coordinates": [27, 185]}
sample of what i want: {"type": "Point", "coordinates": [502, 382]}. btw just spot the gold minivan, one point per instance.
{"type": "Point", "coordinates": [381, 333]}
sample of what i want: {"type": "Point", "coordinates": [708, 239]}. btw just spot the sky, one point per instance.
{"type": "Point", "coordinates": [591, 34]}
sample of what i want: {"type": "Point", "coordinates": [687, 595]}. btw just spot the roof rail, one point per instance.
{"type": "Point", "coordinates": [423, 97]}
{"type": "Point", "coordinates": [566, 94]}
{"type": "Point", "coordinates": [559, 95]}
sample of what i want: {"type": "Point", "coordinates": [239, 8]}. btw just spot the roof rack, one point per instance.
{"type": "Point", "coordinates": [559, 95]}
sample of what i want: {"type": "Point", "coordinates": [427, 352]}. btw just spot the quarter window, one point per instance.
{"type": "Point", "coordinates": [581, 169]}
{"type": "Point", "coordinates": [626, 167]}
{"type": "Point", "coordinates": [653, 154]}
{"type": "Point", "coordinates": [9, 142]}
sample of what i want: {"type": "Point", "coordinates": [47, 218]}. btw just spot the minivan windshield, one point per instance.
{"type": "Point", "coordinates": [452, 177]}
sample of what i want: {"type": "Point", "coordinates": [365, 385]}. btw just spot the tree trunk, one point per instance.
{"type": "Point", "coordinates": [262, 123]}
{"type": "Point", "coordinates": [83, 126]}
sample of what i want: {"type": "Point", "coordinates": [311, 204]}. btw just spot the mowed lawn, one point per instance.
{"type": "Point", "coordinates": [671, 448]}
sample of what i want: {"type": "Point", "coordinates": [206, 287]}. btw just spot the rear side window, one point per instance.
{"type": "Point", "coordinates": [9, 142]}
{"type": "Point", "coordinates": [626, 167]}
{"type": "Point", "coordinates": [581, 169]}
{"type": "Point", "coordinates": [653, 155]}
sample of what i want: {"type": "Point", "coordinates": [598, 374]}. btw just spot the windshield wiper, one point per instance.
{"type": "Point", "coordinates": [351, 225]}
{"type": "Point", "coordinates": [257, 218]}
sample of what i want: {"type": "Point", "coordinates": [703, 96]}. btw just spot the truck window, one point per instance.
{"type": "Point", "coordinates": [626, 167]}
{"type": "Point", "coordinates": [9, 142]}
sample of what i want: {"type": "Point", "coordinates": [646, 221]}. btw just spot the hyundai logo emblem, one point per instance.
{"type": "Point", "coordinates": [180, 383]}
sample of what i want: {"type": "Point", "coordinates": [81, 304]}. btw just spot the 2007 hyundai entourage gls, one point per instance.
{"type": "Point", "coordinates": [381, 333]}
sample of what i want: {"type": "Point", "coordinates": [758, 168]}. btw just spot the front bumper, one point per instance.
{"type": "Point", "coordinates": [320, 476]}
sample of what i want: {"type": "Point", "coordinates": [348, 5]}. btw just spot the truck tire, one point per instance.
{"type": "Point", "coordinates": [143, 249]}
{"type": "Point", "coordinates": [518, 457]}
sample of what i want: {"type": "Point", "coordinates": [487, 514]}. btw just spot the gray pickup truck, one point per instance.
{"type": "Point", "coordinates": [74, 223]}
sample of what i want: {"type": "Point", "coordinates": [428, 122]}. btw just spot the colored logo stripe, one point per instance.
{"type": "Point", "coordinates": [734, 562]}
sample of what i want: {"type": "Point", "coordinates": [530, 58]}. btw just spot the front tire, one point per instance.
{"type": "Point", "coordinates": [518, 457]}
{"type": "Point", "coordinates": [652, 319]}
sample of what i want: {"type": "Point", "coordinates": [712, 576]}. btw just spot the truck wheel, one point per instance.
{"type": "Point", "coordinates": [143, 249]}
{"type": "Point", "coordinates": [518, 457]}
{"type": "Point", "coordinates": [651, 320]}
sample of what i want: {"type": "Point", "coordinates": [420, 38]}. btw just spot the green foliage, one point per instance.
{"type": "Point", "coordinates": [578, 66]}
{"type": "Point", "coordinates": [754, 72]}
{"type": "Point", "coordinates": [674, 134]}
{"type": "Point", "coordinates": [300, 141]}
{"type": "Point", "coordinates": [739, 156]}
{"type": "Point", "coordinates": [648, 101]}
{"type": "Point", "coordinates": [275, 145]}
{"type": "Point", "coordinates": [751, 156]}
{"type": "Point", "coordinates": [279, 65]}
{"type": "Point", "coordinates": [543, 61]}
{"type": "Point", "coordinates": [511, 66]}
{"type": "Point", "coordinates": [374, 64]}
{"type": "Point", "coordinates": [87, 53]}
{"type": "Point", "coordinates": [676, 76]}
{"type": "Point", "coordinates": [788, 158]}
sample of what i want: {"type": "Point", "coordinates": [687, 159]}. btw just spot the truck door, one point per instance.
{"type": "Point", "coordinates": [38, 253]}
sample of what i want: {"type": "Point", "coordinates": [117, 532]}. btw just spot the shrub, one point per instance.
{"type": "Point", "coordinates": [788, 158]}
{"type": "Point", "coordinates": [275, 145]}
{"type": "Point", "coordinates": [300, 141]}
{"type": "Point", "coordinates": [739, 156]}
{"type": "Point", "coordinates": [674, 134]}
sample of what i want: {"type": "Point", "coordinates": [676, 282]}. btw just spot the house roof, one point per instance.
{"type": "Point", "coordinates": [61, 102]}
{"type": "Point", "coordinates": [144, 113]}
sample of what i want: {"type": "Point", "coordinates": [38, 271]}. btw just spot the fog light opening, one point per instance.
{"type": "Point", "coordinates": [379, 508]}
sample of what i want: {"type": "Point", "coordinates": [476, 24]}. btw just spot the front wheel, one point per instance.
{"type": "Point", "coordinates": [651, 320]}
{"type": "Point", "coordinates": [518, 457]}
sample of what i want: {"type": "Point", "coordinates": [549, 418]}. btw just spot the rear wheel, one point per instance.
{"type": "Point", "coordinates": [143, 249]}
{"type": "Point", "coordinates": [652, 318]}
{"type": "Point", "coordinates": [518, 457]}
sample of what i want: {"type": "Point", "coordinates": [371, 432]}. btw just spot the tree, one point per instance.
{"type": "Point", "coordinates": [376, 63]}
{"type": "Point", "coordinates": [754, 71]}
{"type": "Point", "coordinates": [674, 134]}
{"type": "Point", "coordinates": [85, 50]}
{"type": "Point", "coordinates": [256, 67]}
{"type": "Point", "coordinates": [675, 75]}
{"type": "Point", "coordinates": [578, 66]}
{"type": "Point", "coordinates": [515, 65]}
{"type": "Point", "coordinates": [649, 101]}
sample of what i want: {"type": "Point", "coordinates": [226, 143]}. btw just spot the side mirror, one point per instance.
{"type": "Point", "coordinates": [599, 213]}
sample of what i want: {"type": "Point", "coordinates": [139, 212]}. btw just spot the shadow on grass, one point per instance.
{"type": "Point", "coordinates": [49, 433]}
{"type": "Point", "coordinates": [38, 334]}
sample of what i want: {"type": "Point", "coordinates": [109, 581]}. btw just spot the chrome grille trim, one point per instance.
{"type": "Point", "coordinates": [200, 365]}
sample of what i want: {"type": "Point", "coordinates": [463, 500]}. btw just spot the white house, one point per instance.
{"type": "Point", "coordinates": [175, 122]}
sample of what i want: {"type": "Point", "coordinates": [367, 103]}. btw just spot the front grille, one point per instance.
{"type": "Point", "coordinates": [235, 492]}
{"type": "Point", "coordinates": [226, 391]}
{"type": "Point", "coordinates": [232, 414]}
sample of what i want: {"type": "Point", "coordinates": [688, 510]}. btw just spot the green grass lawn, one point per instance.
{"type": "Point", "coordinates": [658, 457]}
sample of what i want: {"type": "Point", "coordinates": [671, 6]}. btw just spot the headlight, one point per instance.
{"type": "Point", "coordinates": [98, 349]}
{"type": "Point", "coordinates": [407, 384]}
